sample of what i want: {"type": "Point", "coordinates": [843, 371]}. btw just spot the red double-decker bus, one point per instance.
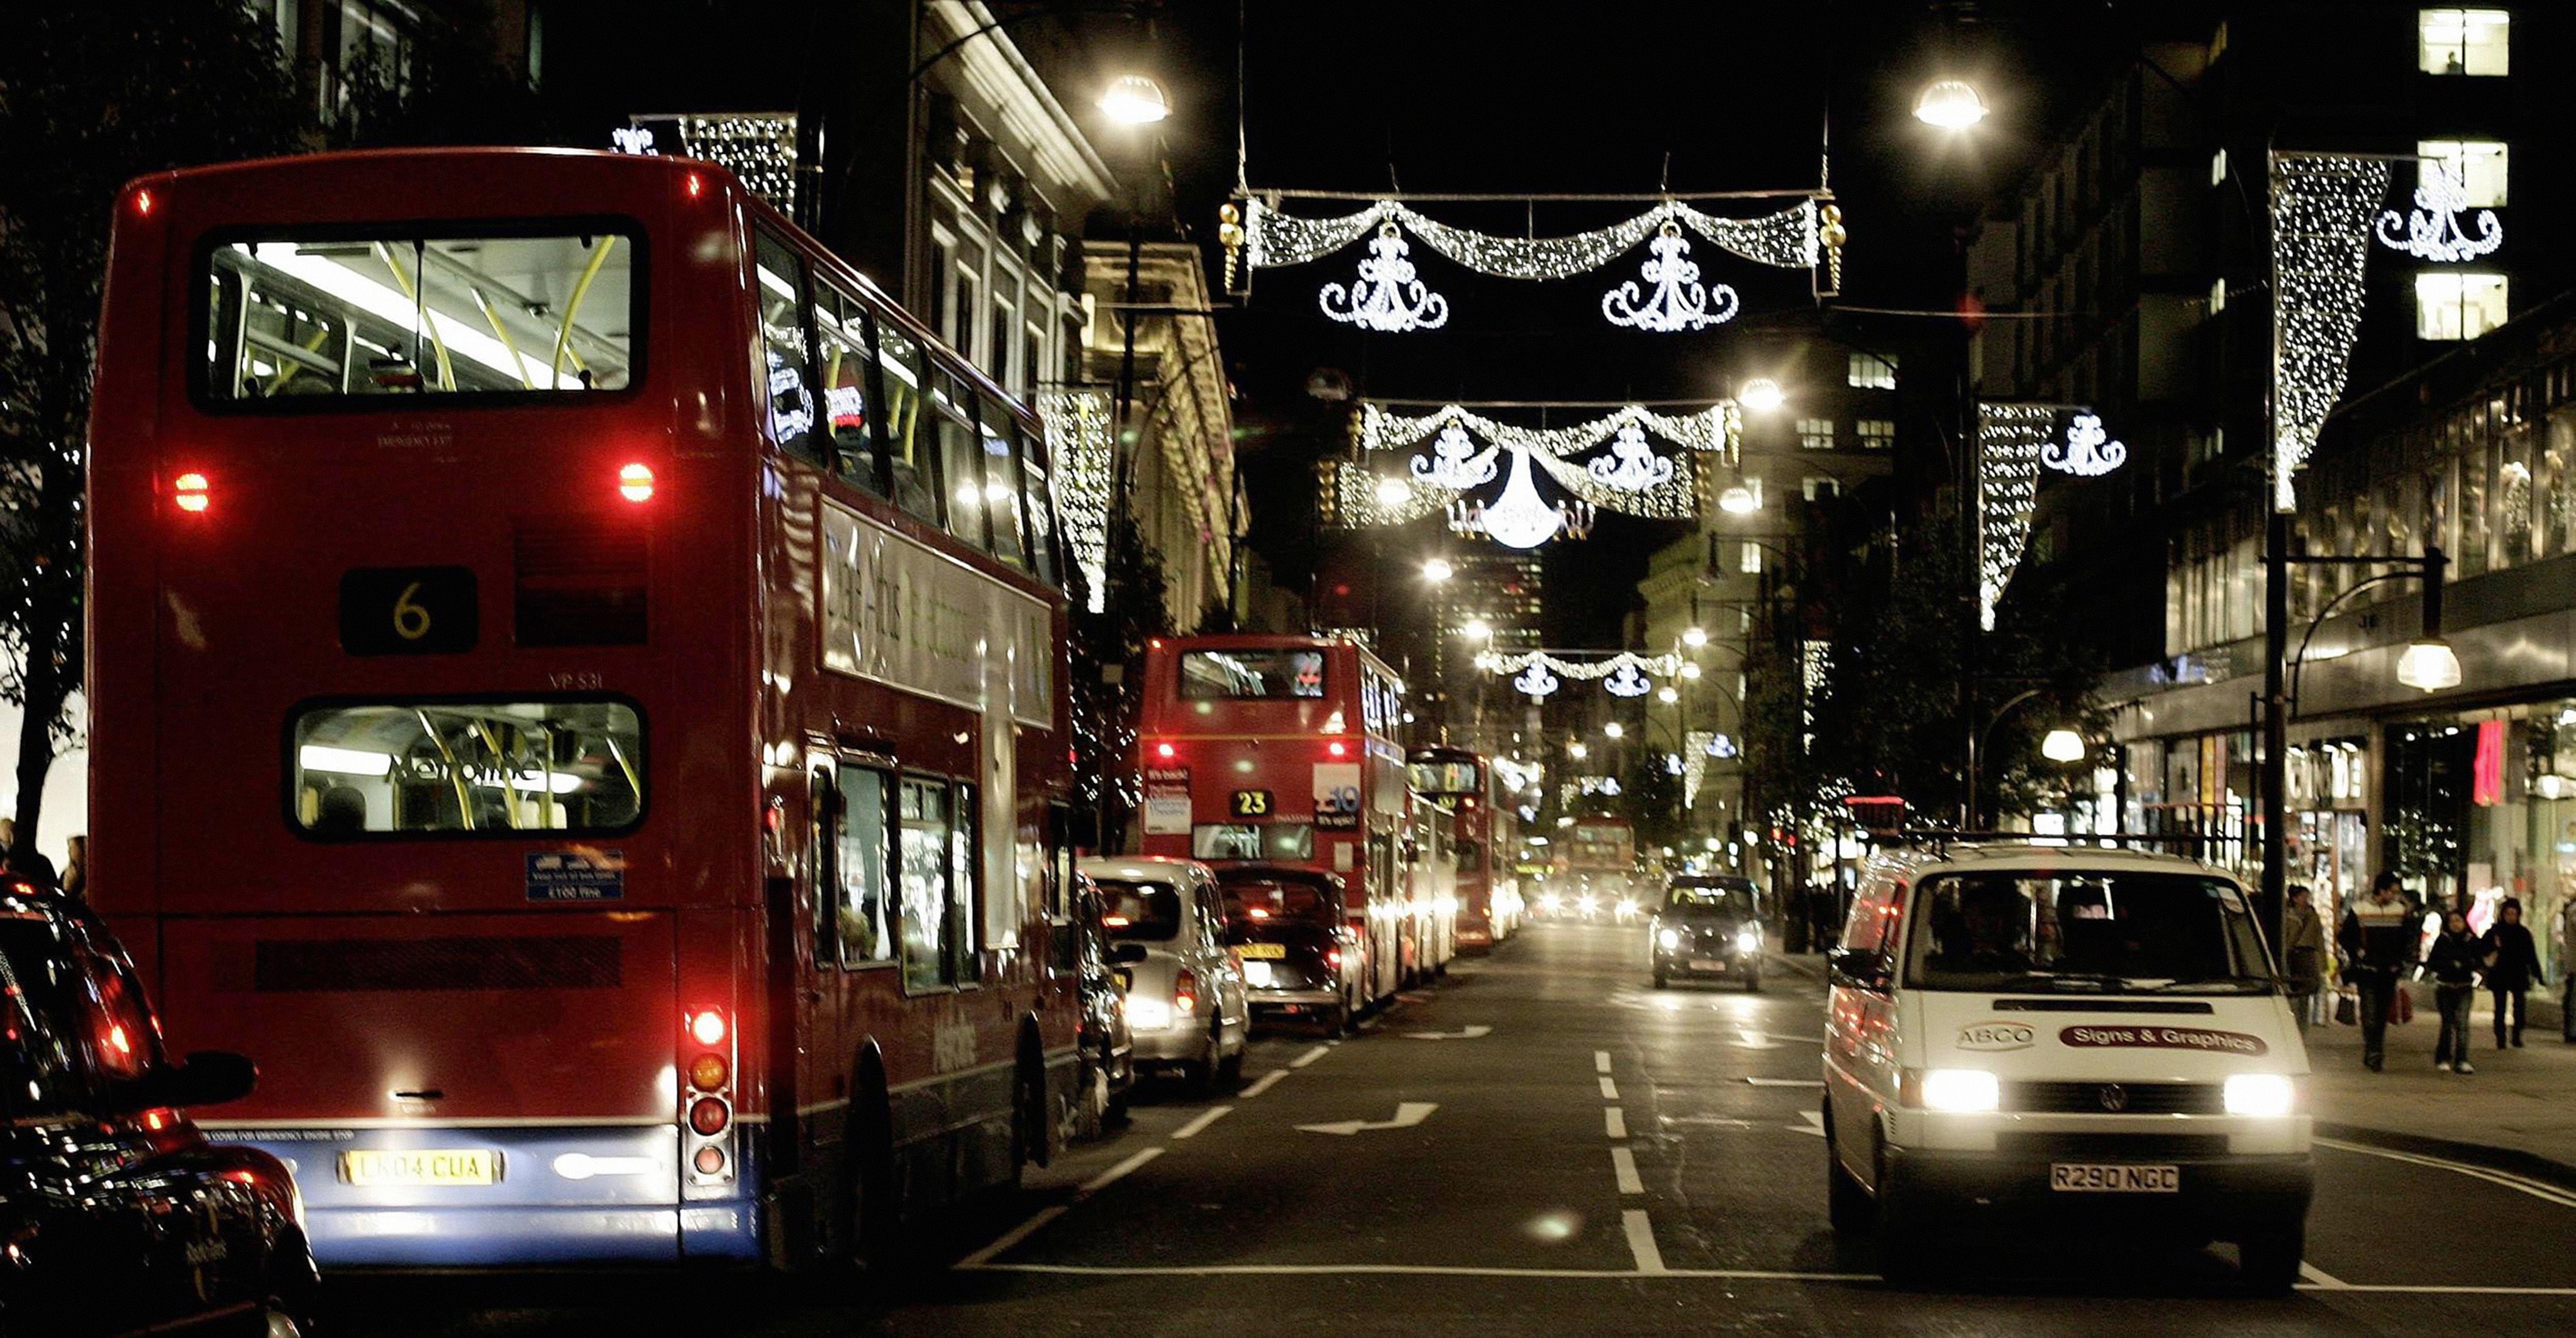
{"type": "Point", "coordinates": [1482, 839]}
{"type": "Point", "coordinates": [576, 680]}
{"type": "Point", "coordinates": [1284, 749]}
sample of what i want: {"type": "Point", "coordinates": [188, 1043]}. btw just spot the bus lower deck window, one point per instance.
{"type": "Point", "coordinates": [387, 768]}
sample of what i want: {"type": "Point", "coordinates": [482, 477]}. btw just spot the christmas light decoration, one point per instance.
{"type": "Point", "coordinates": [1078, 441]}
{"type": "Point", "coordinates": [1537, 682]}
{"type": "Point", "coordinates": [1633, 479]}
{"type": "Point", "coordinates": [1632, 465]}
{"type": "Point", "coordinates": [1621, 673]}
{"type": "Point", "coordinates": [2088, 451]}
{"type": "Point", "coordinates": [759, 148]}
{"type": "Point", "coordinates": [1679, 301]}
{"type": "Point", "coordinates": [2322, 206]}
{"type": "Point", "coordinates": [1455, 462]}
{"type": "Point", "coordinates": [2432, 231]}
{"type": "Point", "coordinates": [1519, 518]}
{"type": "Point", "coordinates": [2010, 440]}
{"type": "Point", "coordinates": [1386, 297]}
{"type": "Point", "coordinates": [1626, 681]}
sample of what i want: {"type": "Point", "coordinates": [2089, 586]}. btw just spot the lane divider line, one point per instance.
{"type": "Point", "coordinates": [1615, 1121]}
{"type": "Point", "coordinates": [1419, 1270]}
{"type": "Point", "coordinates": [1797, 1082]}
{"type": "Point", "coordinates": [1609, 1090]}
{"type": "Point", "coordinates": [1310, 1056]}
{"type": "Point", "coordinates": [1118, 1172]}
{"type": "Point", "coordinates": [1014, 1236]}
{"type": "Point", "coordinates": [1205, 1118]}
{"type": "Point", "coordinates": [1262, 1084]}
{"type": "Point", "coordinates": [1623, 1164]}
{"type": "Point", "coordinates": [1641, 1240]}
{"type": "Point", "coordinates": [2322, 1279]}
{"type": "Point", "coordinates": [1601, 1061]}
{"type": "Point", "coordinates": [2538, 1189]}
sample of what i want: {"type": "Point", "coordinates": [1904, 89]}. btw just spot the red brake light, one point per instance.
{"type": "Point", "coordinates": [708, 1027]}
{"type": "Point", "coordinates": [635, 483]}
{"type": "Point", "coordinates": [190, 491]}
{"type": "Point", "coordinates": [708, 1116]}
{"type": "Point", "coordinates": [1337, 748]}
{"type": "Point", "coordinates": [143, 203]}
{"type": "Point", "coordinates": [1185, 992]}
{"type": "Point", "coordinates": [1164, 751]}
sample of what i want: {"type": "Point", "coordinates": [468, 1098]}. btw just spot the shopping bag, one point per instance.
{"type": "Point", "coordinates": [2401, 1006]}
{"type": "Point", "coordinates": [2347, 1008]}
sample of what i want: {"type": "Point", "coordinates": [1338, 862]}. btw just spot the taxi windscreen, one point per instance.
{"type": "Point", "coordinates": [2078, 931]}
{"type": "Point", "coordinates": [1732, 898]}
{"type": "Point", "coordinates": [1150, 912]}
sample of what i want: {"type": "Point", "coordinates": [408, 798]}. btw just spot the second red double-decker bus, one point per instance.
{"type": "Point", "coordinates": [1481, 839]}
{"type": "Point", "coordinates": [576, 687]}
{"type": "Point", "coordinates": [1284, 749]}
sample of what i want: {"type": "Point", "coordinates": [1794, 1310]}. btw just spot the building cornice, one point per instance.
{"type": "Point", "coordinates": [1031, 118]}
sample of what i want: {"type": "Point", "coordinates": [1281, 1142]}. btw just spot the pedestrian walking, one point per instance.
{"type": "Point", "coordinates": [2376, 939]}
{"type": "Point", "coordinates": [2303, 951]}
{"type": "Point", "coordinates": [2452, 964]}
{"type": "Point", "coordinates": [2512, 964]}
{"type": "Point", "coordinates": [75, 866]}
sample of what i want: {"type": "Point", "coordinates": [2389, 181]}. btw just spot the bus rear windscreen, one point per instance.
{"type": "Point", "coordinates": [476, 311]}
{"type": "Point", "coordinates": [1252, 675]}
{"type": "Point", "coordinates": [418, 768]}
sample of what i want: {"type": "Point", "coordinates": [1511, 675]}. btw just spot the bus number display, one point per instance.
{"type": "Point", "coordinates": [408, 610]}
{"type": "Point", "coordinates": [1253, 804]}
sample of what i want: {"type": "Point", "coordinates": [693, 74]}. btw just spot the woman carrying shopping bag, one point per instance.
{"type": "Point", "coordinates": [2453, 966]}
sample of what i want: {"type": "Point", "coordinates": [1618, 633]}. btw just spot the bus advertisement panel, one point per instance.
{"type": "Point", "coordinates": [576, 686]}
{"type": "Point", "coordinates": [1283, 749]}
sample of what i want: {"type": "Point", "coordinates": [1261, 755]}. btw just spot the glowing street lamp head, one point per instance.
{"type": "Point", "coordinates": [1613, 730]}
{"type": "Point", "coordinates": [1667, 695]}
{"type": "Point", "coordinates": [1134, 99]}
{"type": "Point", "coordinates": [1691, 669]}
{"type": "Point", "coordinates": [2429, 665]}
{"type": "Point", "coordinates": [1761, 395]}
{"type": "Point", "coordinates": [1738, 500]}
{"type": "Point", "coordinates": [1477, 629]}
{"type": "Point", "coordinates": [1577, 750]}
{"type": "Point", "coordinates": [1950, 104]}
{"type": "Point", "coordinates": [2062, 745]}
{"type": "Point", "coordinates": [1437, 570]}
{"type": "Point", "coordinates": [1694, 637]}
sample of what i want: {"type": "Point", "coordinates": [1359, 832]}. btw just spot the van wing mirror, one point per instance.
{"type": "Point", "coordinates": [1126, 954]}
{"type": "Point", "coordinates": [1858, 969]}
{"type": "Point", "coordinates": [204, 1078]}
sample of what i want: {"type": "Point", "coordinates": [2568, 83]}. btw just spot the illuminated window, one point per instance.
{"type": "Point", "coordinates": [1816, 434]}
{"type": "Point", "coordinates": [2450, 304]}
{"type": "Point", "coordinates": [2218, 167]}
{"type": "Point", "coordinates": [2465, 41]}
{"type": "Point", "coordinates": [1876, 434]}
{"type": "Point", "coordinates": [2218, 295]}
{"type": "Point", "coordinates": [2477, 164]}
{"type": "Point", "coordinates": [1818, 489]}
{"type": "Point", "coordinates": [1751, 561]}
{"type": "Point", "coordinates": [1872, 371]}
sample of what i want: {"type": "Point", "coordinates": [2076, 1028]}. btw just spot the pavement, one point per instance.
{"type": "Point", "coordinates": [1547, 1145]}
{"type": "Point", "coordinates": [2517, 1112]}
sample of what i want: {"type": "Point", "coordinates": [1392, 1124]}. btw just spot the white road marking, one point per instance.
{"type": "Point", "coordinates": [1118, 1172]}
{"type": "Point", "coordinates": [2538, 1189]}
{"type": "Point", "coordinates": [1461, 1034]}
{"type": "Point", "coordinates": [1310, 1056]}
{"type": "Point", "coordinates": [1014, 1236]}
{"type": "Point", "coordinates": [1786, 1082]}
{"type": "Point", "coordinates": [1753, 1040]}
{"type": "Point", "coordinates": [1263, 1083]}
{"type": "Point", "coordinates": [1713, 1121]}
{"type": "Point", "coordinates": [1641, 1240]}
{"type": "Point", "coordinates": [1407, 1115]}
{"type": "Point", "coordinates": [1615, 1120]}
{"type": "Point", "coordinates": [1418, 1270]}
{"type": "Point", "coordinates": [1206, 1118]}
{"type": "Point", "coordinates": [2322, 1278]}
{"type": "Point", "coordinates": [1623, 1164]}
{"type": "Point", "coordinates": [1609, 1090]}
{"type": "Point", "coordinates": [1601, 1061]}
{"type": "Point", "coordinates": [1815, 1123]}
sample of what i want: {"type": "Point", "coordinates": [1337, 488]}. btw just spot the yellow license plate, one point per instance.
{"type": "Point", "coordinates": [421, 1166]}
{"type": "Point", "coordinates": [1263, 950]}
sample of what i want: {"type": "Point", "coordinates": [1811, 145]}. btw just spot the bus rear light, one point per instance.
{"type": "Point", "coordinates": [696, 186]}
{"type": "Point", "coordinates": [707, 1026]}
{"type": "Point", "coordinates": [635, 483]}
{"type": "Point", "coordinates": [190, 491]}
{"type": "Point", "coordinates": [1333, 958]}
{"type": "Point", "coordinates": [710, 1160]}
{"type": "Point", "coordinates": [143, 203]}
{"type": "Point", "coordinates": [708, 1116]}
{"type": "Point", "coordinates": [1338, 748]}
{"type": "Point", "coordinates": [1165, 751]}
{"type": "Point", "coordinates": [708, 1073]}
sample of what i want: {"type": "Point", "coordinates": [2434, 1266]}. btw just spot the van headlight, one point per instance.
{"type": "Point", "coordinates": [1961, 1091]}
{"type": "Point", "coordinates": [2260, 1094]}
{"type": "Point", "coordinates": [1670, 938]}
{"type": "Point", "coordinates": [1748, 940]}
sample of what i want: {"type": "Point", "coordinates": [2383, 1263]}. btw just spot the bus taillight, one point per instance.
{"type": "Point", "coordinates": [191, 492]}
{"type": "Point", "coordinates": [707, 1026]}
{"type": "Point", "coordinates": [635, 483]}
{"type": "Point", "coordinates": [1338, 748]}
{"type": "Point", "coordinates": [708, 1116]}
{"type": "Point", "coordinates": [143, 203]}
{"type": "Point", "coordinates": [709, 1072]}
{"type": "Point", "coordinates": [1164, 751]}
{"type": "Point", "coordinates": [696, 187]}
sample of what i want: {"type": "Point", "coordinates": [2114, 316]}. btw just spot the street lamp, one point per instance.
{"type": "Point", "coordinates": [1477, 629]}
{"type": "Point", "coordinates": [1667, 695]}
{"type": "Point", "coordinates": [1738, 500]}
{"type": "Point", "coordinates": [2062, 745]}
{"type": "Point", "coordinates": [1577, 750]}
{"type": "Point", "coordinates": [1694, 636]}
{"type": "Point", "coordinates": [1613, 730]}
{"type": "Point", "coordinates": [1950, 104]}
{"type": "Point", "coordinates": [2429, 665]}
{"type": "Point", "coordinates": [1760, 395]}
{"type": "Point", "coordinates": [1133, 99]}
{"type": "Point", "coordinates": [1691, 670]}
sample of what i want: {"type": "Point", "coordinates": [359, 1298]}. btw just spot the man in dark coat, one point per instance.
{"type": "Point", "coordinates": [2513, 966]}
{"type": "Point", "coordinates": [2377, 939]}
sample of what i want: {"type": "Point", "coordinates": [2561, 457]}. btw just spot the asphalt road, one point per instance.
{"type": "Point", "coordinates": [1578, 1153]}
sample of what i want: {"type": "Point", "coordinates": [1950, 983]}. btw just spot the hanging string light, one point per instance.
{"type": "Point", "coordinates": [1678, 301]}
{"type": "Point", "coordinates": [1621, 673]}
{"type": "Point", "coordinates": [1078, 440]}
{"type": "Point", "coordinates": [2322, 207]}
{"type": "Point", "coordinates": [2010, 441]}
{"type": "Point", "coordinates": [1716, 428]}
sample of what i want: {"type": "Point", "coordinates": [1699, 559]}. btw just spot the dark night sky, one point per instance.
{"type": "Point", "coordinates": [1592, 98]}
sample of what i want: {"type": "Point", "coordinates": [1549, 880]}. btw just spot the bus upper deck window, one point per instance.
{"type": "Point", "coordinates": [498, 310]}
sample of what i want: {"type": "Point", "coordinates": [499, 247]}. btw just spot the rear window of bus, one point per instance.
{"type": "Point", "coordinates": [359, 769]}
{"type": "Point", "coordinates": [546, 309]}
{"type": "Point", "coordinates": [1150, 912]}
{"type": "Point", "coordinates": [1252, 675]}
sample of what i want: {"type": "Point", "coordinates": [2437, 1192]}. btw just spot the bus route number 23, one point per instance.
{"type": "Point", "coordinates": [1253, 804]}
{"type": "Point", "coordinates": [408, 610]}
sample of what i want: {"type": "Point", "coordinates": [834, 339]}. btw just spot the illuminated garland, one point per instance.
{"type": "Point", "coordinates": [1631, 479]}
{"type": "Point", "coordinates": [2322, 209]}
{"type": "Point", "coordinates": [1622, 674]}
{"type": "Point", "coordinates": [1078, 442]}
{"type": "Point", "coordinates": [759, 148]}
{"type": "Point", "coordinates": [1715, 428]}
{"type": "Point", "coordinates": [2010, 441]}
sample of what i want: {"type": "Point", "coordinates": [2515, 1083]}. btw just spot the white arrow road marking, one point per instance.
{"type": "Point", "coordinates": [1712, 1121]}
{"type": "Point", "coordinates": [1407, 1115]}
{"type": "Point", "coordinates": [1753, 1040]}
{"type": "Point", "coordinates": [1786, 1082]}
{"type": "Point", "coordinates": [1815, 1123]}
{"type": "Point", "coordinates": [1461, 1034]}
{"type": "Point", "coordinates": [2323, 1279]}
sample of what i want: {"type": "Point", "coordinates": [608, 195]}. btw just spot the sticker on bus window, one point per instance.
{"type": "Point", "coordinates": [577, 875]}
{"type": "Point", "coordinates": [1167, 801]}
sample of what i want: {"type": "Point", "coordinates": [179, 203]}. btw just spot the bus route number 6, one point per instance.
{"type": "Point", "coordinates": [408, 610]}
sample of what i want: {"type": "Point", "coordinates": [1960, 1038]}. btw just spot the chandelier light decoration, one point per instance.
{"type": "Point", "coordinates": [1626, 681]}
{"type": "Point", "coordinates": [2432, 231]}
{"type": "Point", "coordinates": [1389, 295]}
{"type": "Point", "coordinates": [1078, 440]}
{"type": "Point", "coordinates": [2011, 439]}
{"type": "Point", "coordinates": [1620, 673]}
{"type": "Point", "coordinates": [1536, 682]}
{"type": "Point", "coordinates": [1631, 466]}
{"type": "Point", "coordinates": [2087, 452]}
{"type": "Point", "coordinates": [1455, 463]}
{"type": "Point", "coordinates": [2322, 207]}
{"type": "Point", "coordinates": [1468, 450]}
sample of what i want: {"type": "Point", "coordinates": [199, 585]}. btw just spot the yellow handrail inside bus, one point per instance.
{"type": "Point", "coordinates": [563, 335]}
{"type": "Point", "coordinates": [428, 318]}
{"type": "Point", "coordinates": [633, 785]}
{"type": "Point", "coordinates": [287, 372]}
{"type": "Point", "coordinates": [509, 796]}
{"type": "Point", "coordinates": [502, 332]}
{"type": "Point", "coordinates": [455, 773]}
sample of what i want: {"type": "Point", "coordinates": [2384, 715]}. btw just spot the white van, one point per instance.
{"type": "Point", "coordinates": [2077, 1037]}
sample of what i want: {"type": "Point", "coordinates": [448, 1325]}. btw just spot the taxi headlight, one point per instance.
{"type": "Point", "coordinates": [1670, 938]}
{"type": "Point", "coordinates": [1148, 1014]}
{"type": "Point", "coordinates": [1748, 940]}
{"type": "Point", "coordinates": [1627, 907]}
{"type": "Point", "coordinates": [2260, 1094]}
{"type": "Point", "coordinates": [1961, 1091]}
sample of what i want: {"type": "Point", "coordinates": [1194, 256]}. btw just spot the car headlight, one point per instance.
{"type": "Point", "coordinates": [1148, 1014]}
{"type": "Point", "coordinates": [1548, 901]}
{"type": "Point", "coordinates": [1670, 938]}
{"type": "Point", "coordinates": [1748, 940]}
{"type": "Point", "coordinates": [1627, 907]}
{"type": "Point", "coordinates": [1587, 902]}
{"type": "Point", "coordinates": [1961, 1091]}
{"type": "Point", "coordinates": [2261, 1094]}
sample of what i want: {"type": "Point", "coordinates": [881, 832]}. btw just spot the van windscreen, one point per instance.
{"type": "Point", "coordinates": [2085, 931]}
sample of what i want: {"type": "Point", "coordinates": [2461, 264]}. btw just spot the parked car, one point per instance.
{"type": "Point", "coordinates": [1186, 1008]}
{"type": "Point", "coordinates": [1302, 961]}
{"type": "Point", "coordinates": [1106, 1048]}
{"type": "Point", "coordinates": [1708, 925]}
{"type": "Point", "coordinates": [2066, 1037]}
{"type": "Point", "coordinates": [116, 1215]}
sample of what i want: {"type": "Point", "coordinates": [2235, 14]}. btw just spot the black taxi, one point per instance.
{"type": "Point", "coordinates": [116, 1215]}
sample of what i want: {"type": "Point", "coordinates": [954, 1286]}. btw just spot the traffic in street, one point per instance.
{"type": "Point", "coordinates": [1547, 1139]}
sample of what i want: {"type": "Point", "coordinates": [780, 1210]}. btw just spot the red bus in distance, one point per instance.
{"type": "Point", "coordinates": [1284, 749]}
{"type": "Point", "coordinates": [1483, 834]}
{"type": "Point", "coordinates": [576, 678]}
